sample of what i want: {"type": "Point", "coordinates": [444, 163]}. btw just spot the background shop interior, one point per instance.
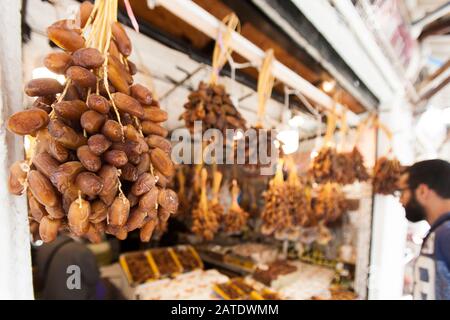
{"type": "Point", "coordinates": [388, 58]}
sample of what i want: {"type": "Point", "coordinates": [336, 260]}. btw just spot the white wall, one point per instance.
{"type": "Point", "coordinates": [15, 257]}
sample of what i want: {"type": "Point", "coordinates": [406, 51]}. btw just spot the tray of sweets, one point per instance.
{"type": "Point", "coordinates": [188, 258]}
{"type": "Point", "coordinates": [228, 292]}
{"type": "Point", "coordinates": [166, 262]}
{"type": "Point", "coordinates": [138, 267]}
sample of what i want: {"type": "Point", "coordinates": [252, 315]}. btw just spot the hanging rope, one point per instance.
{"type": "Point", "coordinates": [343, 130]}
{"type": "Point", "coordinates": [223, 48]}
{"type": "Point", "coordinates": [362, 126]}
{"type": "Point", "coordinates": [331, 128]}
{"type": "Point", "coordinates": [377, 124]}
{"type": "Point", "coordinates": [316, 113]}
{"type": "Point", "coordinates": [265, 86]}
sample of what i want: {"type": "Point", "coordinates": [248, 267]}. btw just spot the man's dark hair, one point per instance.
{"type": "Point", "coordinates": [434, 173]}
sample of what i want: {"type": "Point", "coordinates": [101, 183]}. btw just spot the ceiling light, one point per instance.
{"type": "Point", "coordinates": [296, 121]}
{"type": "Point", "coordinates": [328, 86]}
{"type": "Point", "coordinates": [289, 140]}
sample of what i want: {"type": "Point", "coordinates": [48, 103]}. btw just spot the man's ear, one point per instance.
{"type": "Point", "coordinates": [422, 192]}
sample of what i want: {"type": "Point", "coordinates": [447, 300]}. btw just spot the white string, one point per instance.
{"type": "Point", "coordinates": [312, 109]}
{"type": "Point", "coordinates": [236, 66]}
{"type": "Point", "coordinates": [316, 113]}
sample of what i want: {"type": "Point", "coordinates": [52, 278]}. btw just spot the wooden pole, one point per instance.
{"type": "Point", "coordinates": [15, 260]}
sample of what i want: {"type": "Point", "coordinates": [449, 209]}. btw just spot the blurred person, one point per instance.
{"type": "Point", "coordinates": [67, 270]}
{"type": "Point", "coordinates": [425, 195]}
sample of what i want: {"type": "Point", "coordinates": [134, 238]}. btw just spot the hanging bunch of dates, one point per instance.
{"type": "Point", "coordinates": [299, 197]}
{"type": "Point", "coordinates": [325, 165]}
{"type": "Point", "coordinates": [360, 172]}
{"type": "Point", "coordinates": [211, 105]}
{"type": "Point", "coordinates": [331, 165]}
{"type": "Point", "coordinates": [289, 204]}
{"type": "Point", "coordinates": [235, 220]}
{"type": "Point", "coordinates": [215, 207]}
{"type": "Point", "coordinates": [330, 203]}
{"type": "Point", "coordinates": [276, 212]}
{"type": "Point", "coordinates": [387, 169]}
{"type": "Point", "coordinates": [340, 167]}
{"type": "Point", "coordinates": [100, 162]}
{"type": "Point", "coordinates": [349, 168]}
{"type": "Point", "coordinates": [262, 143]}
{"type": "Point", "coordinates": [386, 174]}
{"type": "Point", "coordinates": [205, 222]}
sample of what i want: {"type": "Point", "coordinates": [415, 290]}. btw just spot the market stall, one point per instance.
{"type": "Point", "coordinates": [198, 183]}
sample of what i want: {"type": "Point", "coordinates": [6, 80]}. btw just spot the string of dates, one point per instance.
{"type": "Point", "coordinates": [214, 205]}
{"type": "Point", "coordinates": [299, 198]}
{"type": "Point", "coordinates": [330, 203]}
{"type": "Point", "coordinates": [340, 167]}
{"type": "Point", "coordinates": [386, 174]}
{"type": "Point", "coordinates": [387, 169]}
{"type": "Point", "coordinates": [276, 212]}
{"type": "Point", "coordinates": [235, 220]}
{"type": "Point", "coordinates": [288, 204]}
{"type": "Point", "coordinates": [210, 103]}
{"type": "Point", "coordinates": [266, 81]}
{"type": "Point", "coordinates": [100, 161]}
{"type": "Point", "coordinates": [204, 222]}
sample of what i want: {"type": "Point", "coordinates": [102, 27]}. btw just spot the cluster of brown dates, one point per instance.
{"type": "Point", "coordinates": [288, 205]}
{"type": "Point", "coordinates": [330, 203]}
{"type": "Point", "coordinates": [276, 214]}
{"type": "Point", "coordinates": [386, 174]}
{"type": "Point", "coordinates": [340, 167]}
{"type": "Point", "coordinates": [211, 104]}
{"type": "Point", "coordinates": [235, 220]}
{"type": "Point", "coordinates": [100, 162]}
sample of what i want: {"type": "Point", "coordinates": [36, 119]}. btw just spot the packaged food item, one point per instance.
{"type": "Point", "coordinates": [274, 270]}
{"type": "Point", "coordinates": [166, 262]}
{"type": "Point", "coordinates": [188, 258]}
{"type": "Point", "coordinates": [138, 267]}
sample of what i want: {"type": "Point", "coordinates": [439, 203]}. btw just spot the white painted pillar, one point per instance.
{"type": "Point", "coordinates": [15, 257]}
{"type": "Point", "coordinates": [389, 224]}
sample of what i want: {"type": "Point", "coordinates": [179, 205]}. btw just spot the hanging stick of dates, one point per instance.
{"type": "Point", "coordinates": [210, 103]}
{"type": "Point", "coordinates": [330, 203]}
{"type": "Point", "coordinates": [214, 204]}
{"type": "Point", "coordinates": [236, 218]}
{"type": "Point", "coordinates": [265, 86]}
{"type": "Point", "coordinates": [299, 199]}
{"type": "Point", "coordinates": [93, 169]}
{"type": "Point", "coordinates": [204, 224]}
{"type": "Point", "coordinates": [275, 214]}
{"type": "Point", "coordinates": [387, 169]}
